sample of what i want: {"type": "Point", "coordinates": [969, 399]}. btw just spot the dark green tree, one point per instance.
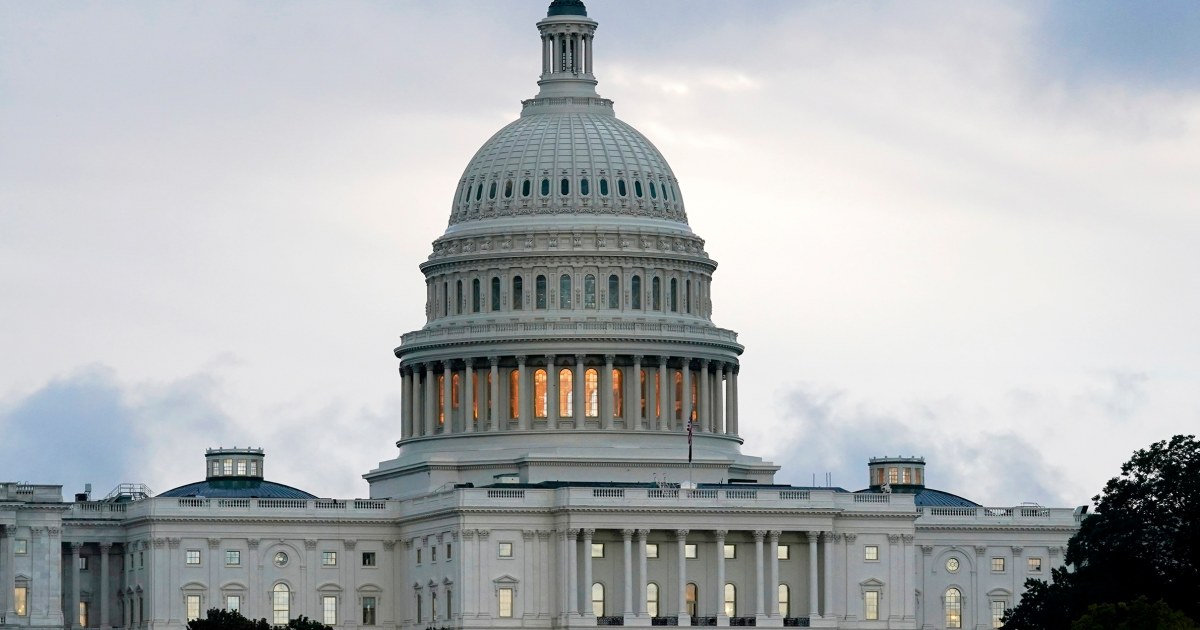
{"type": "Point", "coordinates": [1136, 615]}
{"type": "Point", "coordinates": [218, 619]}
{"type": "Point", "coordinates": [1142, 541]}
{"type": "Point", "coordinates": [304, 623]}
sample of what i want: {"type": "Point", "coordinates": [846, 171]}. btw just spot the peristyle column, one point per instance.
{"type": "Point", "coordinates": [759, 573]}
{"type": "Point", "coordinates": [681, 542]}
{"type": "Point", "coordinates": [494, 393]}
{"type": "Point", "coordinates": [606, 392]}
{"type": "Point", "coordinates": [642, 581]}
{"type": "Point", "coordinates": [718, 406]}
{"type": "Point", "coordinates": [813, 604]}
{"type": "Point", "coordinates": [580, 404]}
{"type": "Point", "coordinates": [627, 538]}
{"type": "Point", "coordinates": [585, 602]}
{"type": "Point", "coordinates": [773, 582]}
{"type": "Point", "coordinates": [105, 549]}
{"type": "Point", "coordinates": [719, 591]}
{"type": "Point", "coordinates": [468, 402]}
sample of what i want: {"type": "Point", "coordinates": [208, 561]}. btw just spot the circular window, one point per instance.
{"type": "Point", "coordinates": [281, 559]}
{"type": "Point", "coordinates": [952, 565]}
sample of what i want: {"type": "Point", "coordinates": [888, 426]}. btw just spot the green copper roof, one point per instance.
{"type": "Point", "coordinates": [567, 7]}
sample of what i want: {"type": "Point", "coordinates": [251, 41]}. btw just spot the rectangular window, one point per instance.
{"type": "Point", "coordinates": [141, 559]}
{"type": "Point", "coordinates": [998, 606]}
{"type": "Point", "coordinates": [449, 551]}
{"type": "Point", "coordinates": [506, 550]}
{"type": "Point", "coordinates": [368, 610]}
{"type": "Point", "coordinates": [192, 557]}
{"type": "Point", "coordinates": [997, 564]}
{"type": "Point", "coordinates": [329, 610]}
{"type": "Point", "coordinates": [433, 554]}
{"type": "Point", "coordinates": [329, 558]}
{"type": "Point", "coordinates": [730, 552]}
{"type": "Point", "coordinates": [506, 602]}
{"type": "Point", "coordinates": [689, 551]}
{"type": "Point", "coordinates": [83, 614]}
{"type": "Point", "coordinates": [368, 559]}
{"type": "Point", "coordinates": [871, 553]}
{"type": "Point", "coordinates": [20, 546]}
{"type": "Point", "coordinates": [418, 556]}
{"type": "Point", "coordinates": [253, 468]}
{"type": "Point", "coordinates": [227, 467]}
{"type": "Point", "coordinates": [783, 552]}
{"type": "Point", "coordinates": [233, 602]}
{"type": "Point", "coordinates": [597, 550]}
{"type": "Point", "coordinates": [21, 600]}
{"type": "Point", "coordinates": [651, 550]}
{"type": "Point", "coordinates": [233, 557]}
{"type": "Point", "coordinates": [241, 467]}
{"type": "Point", "coordinates": [871, 605]}
{"type": "Point", "coordinates": [1035, 565]}
{"type": "Point", "coordinates": [83, 563]}
{"type": "Point", "coordinates": [193, 607]}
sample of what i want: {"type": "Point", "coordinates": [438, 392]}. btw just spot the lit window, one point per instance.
{"type": "Point", "coordinates": [652, 599]}
{"type": "Point", "coordinates": [514, 402]}
{"type": "Point", "coordinates": [998, 606]}
{"type": "Point", "coordinates": [893, 475]}
{"type": "Point", "coordinates": [539, 393]}
{"type": "Point", "coordinates": [730, 600]}
{"type": "Point", "coordinates": [329, 558]}
{"type": "Point", "coordinates": [690, 598]}
{"type": "Point", "coordinates": [730, 552]}
{"type": "Point", "coordinates": [192, 556]}
{"type": "Point", "coordinates": [253, 467]}
{"type": "Point", "coordinates": [20, 546]}
{"type": "Point", "coordinates": [227, 466]}
{"type": "Point", "coordinates": [233, 557]}
{"type": "Point", "coordinates": [368, 559]}
{"type": "Point", "coordinates": [871, 605]}
{"type": "Point", "coordinates": [598, 599]}
{"type": "Point", "coordinates": [83, 614]}
{"type": "Point", "coordinates": [518, 291]}
{"type": "Point", "coordinates": [651, 550]}
{"type": "Point", "coordinates": [281, 603]}
{"type": "Point", "coordinates": [591, 393]}
{"type": "Point", "coordinates": [368, 603]}
{"type": "Point", "coordinates": [1034, 565]}
{"type": "Point", "coordinates": [505, 602]}
{"type": "Point", "coordinates": [689, 551]}
{"type": "Point", "coordinates": [871, 553]}
{"type": "Point", "coordinates": [618, 394]}
{"type": "Point", "coordinates": [506, 550]}
{"type": "Point", "coordinates": [241, 467]}
{"type": "Point", "coordinates": [906, 476]}
{"type": "Point", "coordinates": [193, 607]}
{"type": "Point", "coordinates": [614, 291]}
{"type": "Point", "coordinates": [21, 601]}
{"type": "Point", "coordinates": [783, 552]}
{"type": "Point", "coordinates": [564, 291]}
{"type": "Point", "coordinates": [566, 393]}
{"type": "Point", "coordinates": [597, 550]}
{"type": "Point", "coordinates": [785, 601]}
{"type": "Point", "coordinates": [997, 564]}
{"type": "Point", "coordinates": [589, 291]}
{"type": "Point", "coordinates": [953, 605]}
{"type": "Point", "coordinates": [233, 602]}
{"type": "Point", "coordinates": [329, 602]}
{"type": "Point", "coordinates": [540, 293]}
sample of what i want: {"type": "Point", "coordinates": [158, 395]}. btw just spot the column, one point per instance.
{"type": "Point", "coordinates": [552, 393]}
{"type": "Point", "coordinates": [545, 55]}
{"type": "Point", "coordinates": [580, 396]}
{"type": "Point", "coordinates": [494, 393]}
{"type": "Point", "coordinates": [813, 610]}
{"type": "Point", "coordinates": [554, 56]}
{"type": "Point", "coordinates": [627, 538]}
{"type": "Point", "coordinates": [468, 401]}
{"type": "Point", "coordinates": [651, 397]}
{"type": "Point", "coordinates": [719, 591]}
{"type": "Point", "coordinates": [718, 407]}
{"type": "Point", "coordinates": [524, 404]}
{"type": "Point", "coordinates": [73, 614]}
{"type": "Point", "coordinates": [430, 399]}
{"type": "Point", "coordinates": [668, 399]}
{"type": "Point", "coordinates": [606, 393]}
{"type": "Point", "coordinates": [633, 395]}
{"type": "Point", "coordinates": [687, 391]}
{"type": "Point", "coordinates": [759, 573]}
{"type": "Point", "coordinates": [54, 562]}
{"type": "Point", "coordinates": [642, 534]}
{"type": "Point", "coordinates": [572, 572]}
{"type": "Point", "coordinates": [585, 602]}
{"type": "Point", "coordinates": [105, 549]}
{"type": "Point", "coordinates": [732, 424]}
{"type": "Point", "coordinates": [702, 397]}
{"type": "Point", "coordinates": [7, 577]}
{"type": "Point", "coordinates": [681, 542]}
{"type": "Point", "coordinates": [588, 54]}
{"type": "Point", "coordinates": [828, 606]}
{"type": "Point", "coordinates": [414, 402]}
{"type": "Point", "coordinates": [447, 401]}
{"type": "Point", "coordinates": [773, 582]}
{"type": "Point", "coordinates": [405, 404]}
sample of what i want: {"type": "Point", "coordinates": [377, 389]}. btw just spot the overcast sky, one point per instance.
{"type": "Point", "coordinates": [969, 231]}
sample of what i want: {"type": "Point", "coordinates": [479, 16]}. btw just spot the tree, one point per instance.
{"type": "Point", "coordinates": [1142, 541]}
{"type": "Point", "coordinates": [218, 619]}
{"type": "Point", "coordinates": [304, 623]}
{"type": "Point", "coordinates": [1137, 615]}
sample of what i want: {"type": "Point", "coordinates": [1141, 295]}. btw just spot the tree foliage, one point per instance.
{"type": "Point", "coordinates": [1143, 541]}
{"type": "Point", "coordinates": [218, 619]}
{"type": "Point", "coordinates": [1136, 615]}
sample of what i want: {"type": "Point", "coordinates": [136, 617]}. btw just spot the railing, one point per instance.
{"type": "Point", "coordinates": [957, 514]}
{"type": "Point", "coordinates": [330, 505]}
{"type": "Point", "coordinates": [505, 494]}
{"type": "Point", "coordinates": [610, 621]}
{"type": "Point", "coordinates": [466, 331]}
{"type": "Point", "coordinates": [233, 503]}
{"type": "Point", "coordinates": [190, 502]}
{"type": "Point", "coordinates": [741, 494]}
{"type": "Point", "coordinates": [794, 495]}
{"type": "Point", "coordinates": [663, 493]}
{"type": "Point", "coordinates": [118, 508]}
{"type": "Point", "coordinates": [664, 621]}
{"type": "Point", "coordinates": [609, 493]}
{"type": "Point", "coordinates": [282, 503]}
{"type": "Point", "coordinates": [872, 498]}
{"type": "Point", "coordinates": [743, 621]}
{"type": "Point", "coordinates": [795, 622]}
{"type": "Point", "coordinates": [704, 621]}
{"type": "Point", "coordinates": [701, 494]}
{"type": "Point", "coordinates": [369, 504]}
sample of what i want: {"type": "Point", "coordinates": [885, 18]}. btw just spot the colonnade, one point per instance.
{"type": "Point", "coordinates": [635, 392]}
{"type": "Point", "coordinates": [567, 52]}
{"type": "Point", "coordinates": [42, 589]}
{"type": "Point", "coordinates": [74, 612]}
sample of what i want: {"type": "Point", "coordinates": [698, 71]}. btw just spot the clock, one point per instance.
{"type": "Point", "coordinates": [952, 565]}
{"type": "Point", "coordinates": [281, 559]}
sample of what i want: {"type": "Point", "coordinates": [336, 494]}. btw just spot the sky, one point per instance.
{"type": "Point", "coordinates": [965, 231]}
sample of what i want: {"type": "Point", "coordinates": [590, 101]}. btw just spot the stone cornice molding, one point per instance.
{"type": "Point", "coordinates": [850, 538]}
{"type": "Point", "coordinates": [310, 543]}
{"type": "Point", "coordinates": [252, 543]}
{"type": "Point", "coordinates": [527, 534]}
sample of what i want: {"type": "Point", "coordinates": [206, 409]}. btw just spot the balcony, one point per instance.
{"type": "Point", "coordinates": [239, 507]}
{"type": "Point", "coordinates": [1020, 515]}
{"type": "Point", "coordinates": [576, 330]}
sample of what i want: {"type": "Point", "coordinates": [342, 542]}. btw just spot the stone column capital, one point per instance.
{"type": "Point", "coordinates": [720, 534]}
{"type": "Point", "coordinates": [663, 359]}
{"type": "Point", "coordinates": [704, 363]}
{"type": "Point", "coordinates": [105, 547]}
{"type": "Point", "coordinates": [759, 534]}
{"type": "Point", "coordinates": [310, 543]}
{"type": "Point", "coordinates": [627, 534]}
{"type": "Point", "coordinates": [213, 543]}
{"type": "Point", "coordinates": [528, 534]}
{"type": "Point", "coordinates": [580, 357]}
{"type": "Point", "coordinates": [493, 361]}
{"type": "Point", "coordinates": [642, 534]}
{"type": "Point", "coordinates": [521, 360]}
{"type": "Point", "coordinates": [850, 538]}
{"type": "Point", "coordinates": [774, 534]}
{"type": "Point", "coordinates": [587, 533]}
{"type": "Point", "coordinates": [681, 534]}
{"type": "Point", "coordinates": [467, 534]}
{"type": "Point", "coordinates": [609, 358]}
{"type": "Point", "coordinates": [573, 533]}
{"type": "Point", "coordinates": [76, 547]}
{"type": "Point", "coordinates": [637, 358]}
{"type": "Point", "coordinates": [812, 535]}
{"type": "Point", "coordinates": [483, 533]}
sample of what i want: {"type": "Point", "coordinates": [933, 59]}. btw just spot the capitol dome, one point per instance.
{"type": "Point", "coordinates": [568, 308]}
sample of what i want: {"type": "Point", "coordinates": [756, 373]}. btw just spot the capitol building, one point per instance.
{"type": "Point", "coordinates": [541, 480]}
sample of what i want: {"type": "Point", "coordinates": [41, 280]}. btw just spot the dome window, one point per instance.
{"type": "Point", "coordinates": [583, 186]}
{"type": "Point", "coordinates": [621, 187]}
{"type": "Point", "coordinates": [564, 187]}
{"type": "Point", "coordinates": [545, 187]}
{"type": "Point", "coordinates": [564, 291]}
{"type": "Point", "coordinates": [635, 290]}
{"type": "Point", "coordinates": [492, 191]}
{"type": "Point", "coordinates": [656, 293]}
{"type": "Point", "coordinates": [479, 191]}
{"type": "Point", "coordinates": [604, 186]}
{"type": "Point", "coordinates": [495, 294]}
{"type": "Point", "coordinates": [589, 291]}
{"type": "Point", "coordinates": [614, 291]}
{"type": "Point", "coordinates": [653, 191]}
{"type": "Point", "coordinates": [637, 187]}
{"type": "Point", "coordinates": [540, 293]}
{"type": "Point", "coordinates": [508, 189]}
{"type": "Point", "coordinates": [476, 297]}
{"type": "Point", "coordinates": [525, 188]}
{"type": "Point", "coordinates": [518, 292]}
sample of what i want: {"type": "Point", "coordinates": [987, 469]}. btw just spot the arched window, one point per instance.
{"type": "Point", "coordinates": [545, 187]}
{"type": "Point", "coordinates": [479, 191]}
{"type": "Point", "coordinates": [496, 294]}
{"type": "Point", "coordinates": [591, 393]}
{"type": "Point", "coordinates": [525, 188]}
{"type": "Point", "coordinates": [476, 296]}
{"type": "Point", "coordinates": [492, 191]}
{"type": "Point", "coordinates": [458, 297]}
{"type": "Point", "coordinates": [637, 187]}
{"type": "Point", "coordinates": [678, 393]}
{"type": "Point", "coordinates": [614, 291]}
{"type": "Point", "coordinates": [564, 187]}
{"type": "Point", "coordinates": [564, 291]}
{"type": "Point", "coordinates": [953, 601]}
{"type": "Point", "coordinates": [598, 599]}
{"type": "Point", "coordinates": [466, 193]}
{"type": "Point", "coordinates": [621, 187]}
{"type": "Point", "coordinates": [454, 386]}
{"type": "Point", "coordinates": [539, 393]}
{"type": "Point", "coordinates": [441, 397]}
{"type": "Point", "coordinates": [508, 189]}
{"type": "Point", "coordinates": [652, 599]}
{"type": "Point", "coordinates": [673, 297]}
{"type": "Point", "coordinates": [539, 289]}
{"type": "Point", "coordinates": [566, 393]}
{"type": "Point", "coordinates": [635, 293]}
{"type": "Point", "coordinates": [642, 398]}
{"type": "Point", "coordinates": [730, 600]}
{"type": "Point", "coordinates": [618, 394]}
{"type": "Point", "coordinates": [691, 597]}
{"type": "Point", "coordinates": [653, 191]}
{"type": "Point", "coordinates": [785, 601]}
{"type": "Point", "coordinates": [687, 296]}
{"type": "Point", "coordinates": [583, 186]}
{"type": "Point", "coordinates": [514, 403]}
{"type": "Point", "coordinates": [475, 388]}
{"type": "Point", "coordinates": [589, 291]}
{"type": "Point", "coordinates": [433, 606]}
{"type": "Point", "coordinates": [518, 293]}
{"type": "Point", "coordinates": [695, 398]}
{"type": "Point", "coordinates": [420, 611]}
{"type": "Point", "coordinates": [281, 604]}
{"type": "Point", "coordinates": [604, 186]}
{"type": "Point", "coordinates": [656, 293]}
{"type": "Point", "coordinates": [445, 298]}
